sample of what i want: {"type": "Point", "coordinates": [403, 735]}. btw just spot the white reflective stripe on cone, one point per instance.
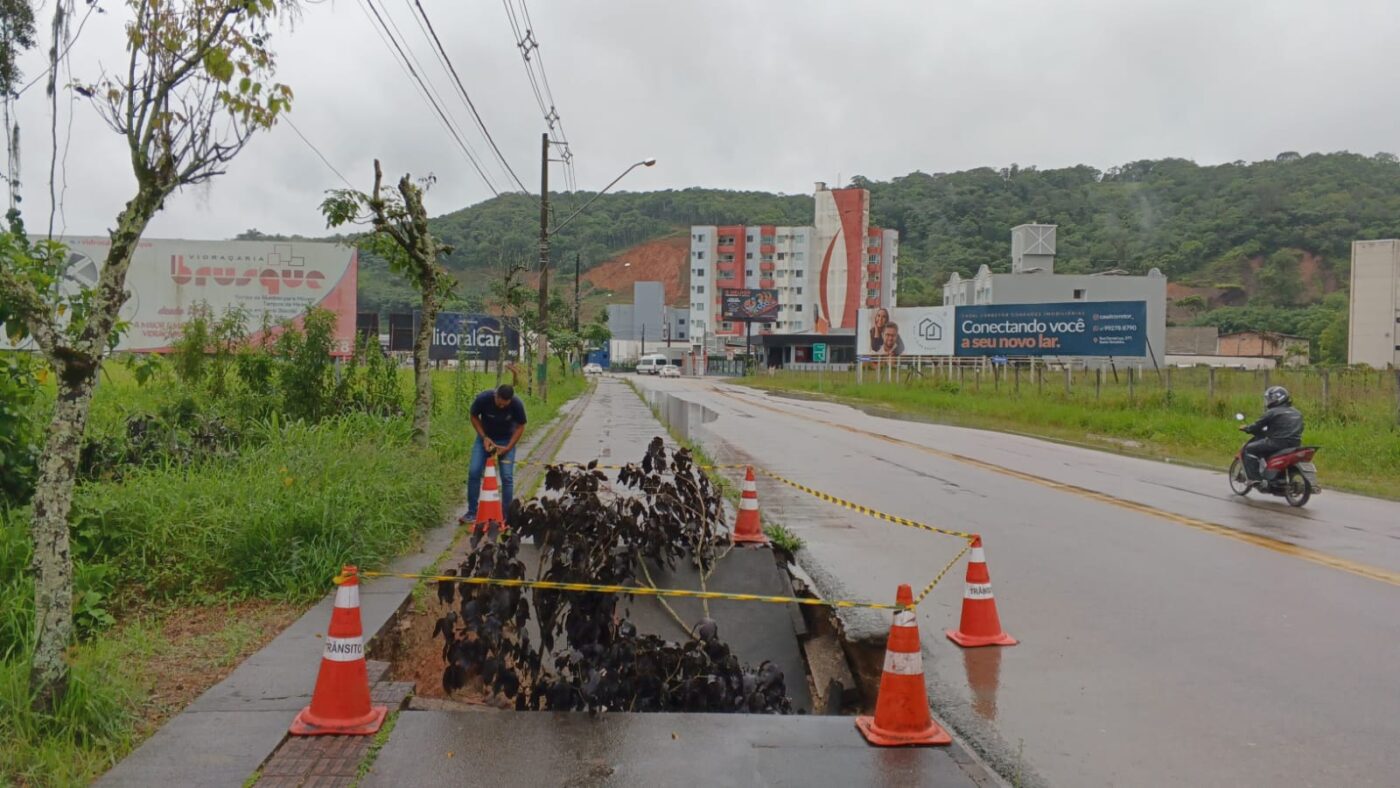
{"type": "Point", "coordinates": [490, 495]}
{"type": "Point", "coordinates": [904, 618]}
{"type": "Point", "coordinates": [903, 664]}
{"type": "Point", "coordinates": [748, 504]}
{"type": "Point", "coordinates": [344, 649]}
{"type": "Point", "coordinates": [750, 486]}
{"type": "Point", "coordinates": [978, 556]}
{"type": "Point", "coordinates": [978, 591]}
{"type": "Point", "coordinates": [347, 596]}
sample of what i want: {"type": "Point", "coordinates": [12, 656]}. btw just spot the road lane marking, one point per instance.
{"type": "Point", "coordinates": [1307, 554]}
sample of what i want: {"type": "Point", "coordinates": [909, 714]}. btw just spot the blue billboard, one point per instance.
{"type": "Point", "coordinates": [474, 337]}
{"type": "Point", "coordinates": [1077, 328]}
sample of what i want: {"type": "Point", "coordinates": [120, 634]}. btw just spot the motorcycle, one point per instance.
{"type": "Point", "coordinates": [1290, 474]}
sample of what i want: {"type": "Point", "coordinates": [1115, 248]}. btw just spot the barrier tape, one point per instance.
{"type": "Point", "coordinates": [918, 600]}
{"type": "Point", "coordinates": [571, 464]}
{"type": "Point", "coordinates": [550, 585]}
{"type": "Point", "coordinates": [865, 510]}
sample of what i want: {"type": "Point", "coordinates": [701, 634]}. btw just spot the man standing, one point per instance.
{"type": "Point", "coordinates": [499, 419]}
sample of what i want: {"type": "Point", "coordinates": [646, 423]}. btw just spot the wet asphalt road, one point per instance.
{"type": "Point", "coordinates": [1171, 633]}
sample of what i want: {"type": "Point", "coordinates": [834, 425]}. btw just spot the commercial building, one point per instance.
{"type": "Point", "coordinates": [1373, 335]}
{"type": "Point", "coordinates": [824, 273]}
{"type": "Point", "coordinates": [1033, 281]}
{"type": "Point", "coordinates": [647, 324]}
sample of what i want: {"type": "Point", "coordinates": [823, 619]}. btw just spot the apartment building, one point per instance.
{"type": "Point", "coordinates": [824, 273]}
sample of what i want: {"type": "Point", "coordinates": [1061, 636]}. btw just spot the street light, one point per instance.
{"type": "Point", "coordinates": [545, 233]}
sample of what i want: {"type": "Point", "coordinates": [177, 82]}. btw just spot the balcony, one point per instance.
{"type": "Point", "coordinates": [872, 302]}
{"type": "Point", "coordinates": [766, 267]}
{"type": "Point", "coordinates": [767, 284]}
{"type": "Point", "coordinates": [873, 268]}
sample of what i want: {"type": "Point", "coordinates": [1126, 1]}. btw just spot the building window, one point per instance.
{"type": "Point", "coordinates": [875, 242]}
{"type": "Point", "coordinates": [782, 255]}
{"type": "Point", "coordinates": [872, 293]}
{"type": "Point", "coordinates": [872, 259]}
{"type": "Point", "coordinates": [699, 255]}
{"type": "Point", "coordinates": [749, 272]}
{"type": "Point", "coordinates": [700, 289]}
{"type": "Point", "coordinates": [749, 237]}
{"type": "Point", "coordinates": [680, 321]}
{"type": "Point", "coordinates": [797, 273]}
{"type": "Point", "coordinates": [748, 255]}
{"type": "Point", "coordinates": [799, 291]}
{"type": "Point", "coordinates": [726, 240]}
{"type": "Point", "coordinates": [1079, 295]}
{"type": "Point", "coordinates": [799, 307]}
{"type": "Point", "coordinates": [700, 237]}
{"type": "Point", "coordinates": [727, 326]}
{"type": "Point", "coordinates": [699, 272]}
{"type": "Point", "coordinates": [797, 255]}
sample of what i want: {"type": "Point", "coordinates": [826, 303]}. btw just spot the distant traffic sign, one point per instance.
{"type": "Point", "coordinates": [819, 352]}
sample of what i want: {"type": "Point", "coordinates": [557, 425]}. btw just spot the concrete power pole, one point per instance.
{"type": "Point", "coordinates": [543, 343]}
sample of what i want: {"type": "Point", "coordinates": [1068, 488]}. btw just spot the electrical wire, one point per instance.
{"type": "Point", "coordinates": [406, 62]}
{"type": "Point", "coordinates": [462, 90]}
{"type": "Point", "coordinates": [523, 29]}
{"type": "Point", "coordinates": [316, 150]}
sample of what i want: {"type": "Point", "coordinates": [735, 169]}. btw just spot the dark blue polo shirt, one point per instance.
{"type": "Point", "coordinates": [498, 423]}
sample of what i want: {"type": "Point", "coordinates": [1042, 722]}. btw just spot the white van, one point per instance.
{"type": "Point", "coordinates": [651, 365]}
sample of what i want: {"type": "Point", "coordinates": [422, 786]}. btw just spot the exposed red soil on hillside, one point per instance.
{"type": "Point", "coordinates": [662, 260]}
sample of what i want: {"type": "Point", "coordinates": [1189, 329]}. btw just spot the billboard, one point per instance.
{"type": "Point", "coordinates": [270, 280]}
{"type": "Point", "coordinates": [1077, 328]}
{"type": "Point", "coordinates": [753, 306]}
{"type": "Point", "coordinates": [477, 337]}
{"type": "Point", "coordinates": [905, 331]}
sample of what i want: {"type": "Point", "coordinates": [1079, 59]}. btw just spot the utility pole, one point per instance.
{"type": "Point", "coordinates": [576, 256]}
{"type": "Point", "coordinates": [544, 267]}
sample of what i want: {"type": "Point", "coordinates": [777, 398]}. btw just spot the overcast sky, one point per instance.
{"type": "Point", "coordinates": [764, 95]}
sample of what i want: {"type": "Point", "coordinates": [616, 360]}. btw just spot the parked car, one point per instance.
{"type": "Point", "coordinates": [670, 371]}
{"type": "Point", "coordinates": [592, 369]}
{"type": "Point", "coordinates": [652, 365]}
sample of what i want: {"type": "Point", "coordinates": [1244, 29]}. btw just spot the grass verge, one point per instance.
{"type": "Point", "coordinates": [183, 569]}
{"type": "Point", "coordinates": [1358, 430]}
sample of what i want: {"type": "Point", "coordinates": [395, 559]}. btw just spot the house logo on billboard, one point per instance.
{"type": "Point", "coordinates": [273, 271]}
{"type": "Point", "coordinates": [930, 330]}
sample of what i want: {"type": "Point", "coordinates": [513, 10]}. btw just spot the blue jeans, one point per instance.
{"type": "Point", "coordinates": [505, 468]}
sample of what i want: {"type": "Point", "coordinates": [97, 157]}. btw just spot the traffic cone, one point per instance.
{"type": "Point", "coordinates": [340, 704]}
{"type": "Point", "coordinates": [488, 507]}
{"type": "Point", "coordinates": [901, 709]}
{"type": "Point", "coordinates": [747, 528]}
{"type": "Point", "coordinates": [980, 624]}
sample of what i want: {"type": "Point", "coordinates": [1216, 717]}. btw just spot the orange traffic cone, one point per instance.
{"type": "Point", "coordinates": [340, 704]}
{"type": "Point", "coordinates": [980, 625]}
{"type": "Point", "coordinates": [901, 709]}
{"type": "Point", "coordinates": [488, 507]}
{"type": "Point", "coordinates": [747, 528]}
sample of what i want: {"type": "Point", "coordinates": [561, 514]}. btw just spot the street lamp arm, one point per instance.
{"type": "Point", "coordinates": [601, 192]}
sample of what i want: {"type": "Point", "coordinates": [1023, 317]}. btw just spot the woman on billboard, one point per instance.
{"type": "Point", "coordinates": [877, 330]}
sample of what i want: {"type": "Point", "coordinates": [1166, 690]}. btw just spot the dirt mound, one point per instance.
{"type": "Point", "coordinates": [662, 260]}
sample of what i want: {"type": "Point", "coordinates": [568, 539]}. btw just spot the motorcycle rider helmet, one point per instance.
{"type": "Point", "coordinates": [1277, 396]}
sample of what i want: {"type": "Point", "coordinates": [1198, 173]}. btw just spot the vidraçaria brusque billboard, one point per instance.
{"type": "Point", "coordinates": [905, 331]}
{"type": "Point", "coordinates": [1077, 328]}
{"type": "Point", "coordinates": [754, 306]}
{"type": "Point", "coordinates": [271, 281]}
{"type": "Point", "coordinates": [475, 337]}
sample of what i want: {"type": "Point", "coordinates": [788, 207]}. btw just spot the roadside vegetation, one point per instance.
{"type": "Point", "coordinates": [1356, 423]}
{"type": "Point", "coordinates": [219, 490]}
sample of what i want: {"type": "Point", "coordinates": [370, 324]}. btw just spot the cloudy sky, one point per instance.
{"type": "Point", "coordinates": [762, 95]}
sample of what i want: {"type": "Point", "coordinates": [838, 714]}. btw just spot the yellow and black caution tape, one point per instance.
{"type": "Point", "coordinates": [918, 600]}
{"type": "Point", "coordinates": [865, 510]}
{"type": "Point", "coordinates": [572, 464]}
{"type": "Point", "coordinates": [550, 585]}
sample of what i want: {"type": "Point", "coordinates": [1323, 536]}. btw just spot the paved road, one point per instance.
{"type": "Point", "coordinates": [1170, 633]}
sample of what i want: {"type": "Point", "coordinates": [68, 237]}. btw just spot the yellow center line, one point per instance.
{"type": "Point", "coordinates": [1307, 554]}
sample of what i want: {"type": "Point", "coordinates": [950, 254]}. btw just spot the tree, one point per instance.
{"type": "Point", "coordinates": [196, 88]}
{"type": "Point", "coordinates": [399, 233]}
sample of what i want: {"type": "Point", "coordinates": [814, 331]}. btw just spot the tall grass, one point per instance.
{"type": "Point", "coordinates": [1356, 424]}
{"type": "Point", "coordinates": [274, 521]}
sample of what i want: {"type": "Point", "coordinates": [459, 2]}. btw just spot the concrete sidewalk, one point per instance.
{"type": "Point", "coordinates": [653, 751]}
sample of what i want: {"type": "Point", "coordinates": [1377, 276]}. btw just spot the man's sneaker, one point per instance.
{"type": "Point", "coordinates": [466, 519]}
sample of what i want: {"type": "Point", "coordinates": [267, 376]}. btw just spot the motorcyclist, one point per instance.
{"type": "Point", "coordinates": [1281, 427]}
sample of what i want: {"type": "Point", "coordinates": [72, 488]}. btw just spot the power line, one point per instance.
{"type": "Point", "coordinates": [529, 47]}
{"type": "Point", "coordinates": [405, 62]}
{"type": "Point", "coordinates": [447, 61]}
{"type": "Point", "coordinates": [317, 151]}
